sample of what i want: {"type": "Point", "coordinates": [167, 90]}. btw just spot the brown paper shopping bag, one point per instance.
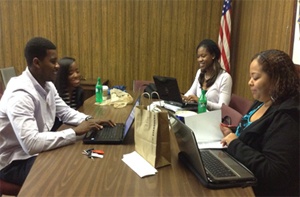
{"type": "Point", "coordinates": [152, 136]}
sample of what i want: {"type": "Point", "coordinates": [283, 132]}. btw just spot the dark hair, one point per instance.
{"type": "Point", "coordinates": [61, 82]}
{"type": "Point", "coordinates": [37, 47]}
{"type": "Point", "coordinates": [212, 48]}
{"type": "Point", "coordinates": [282, 72]}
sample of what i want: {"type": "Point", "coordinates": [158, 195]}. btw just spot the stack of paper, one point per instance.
{"type": "Point", "coordinates": [138, 164]}
{"type": "Point", "coordinates": [206, 127]}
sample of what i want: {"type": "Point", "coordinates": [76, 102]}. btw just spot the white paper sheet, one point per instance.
{"type": "Point", "coordinates": [206, 127]}
{"type": "Point", "coordinates": [138, 164]}
{"type": "Point", "coordinates": [211, 145]}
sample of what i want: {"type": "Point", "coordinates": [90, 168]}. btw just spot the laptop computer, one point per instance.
{"type": "Point", "coordinates": [215, 168]}
{"type": "Point", "coordinates": [111, 135]}
{"type": "Point", "coordinates": [168, 90]}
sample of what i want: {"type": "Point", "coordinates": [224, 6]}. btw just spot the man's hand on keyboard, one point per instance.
{"type": "Point", "coordinates": [101, 121]}
{"type": "Point", "coordinates": [85, 126]}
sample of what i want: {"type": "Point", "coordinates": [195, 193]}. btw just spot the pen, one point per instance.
{"type": "Point", "coordinates": [226, 125]}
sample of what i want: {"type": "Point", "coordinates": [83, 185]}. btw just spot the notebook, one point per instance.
{"type": "Point", "coordinates": [111, 135]}
{"type": "Point", "coordinates": [215, 169]}
{"type": "Point", "coordinates": [168, 90]}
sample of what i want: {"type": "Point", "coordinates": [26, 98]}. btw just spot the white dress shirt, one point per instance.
{"type": "Point", "coordinates": [27, 113]}
{"type": "Point", "coordinates": [217, 94]}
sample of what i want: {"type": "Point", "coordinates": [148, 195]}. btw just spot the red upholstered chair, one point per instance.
{"type": "Point", "coordinates": [298, 69]}
{"type": "Point", "coordinates": [9, 188]}
{"type": "Point", "coordinates": [240, 104]}
{"type": "Point", "coordinates": [233, 116]}
{"type": "Point", "coordinates": [140, 85]}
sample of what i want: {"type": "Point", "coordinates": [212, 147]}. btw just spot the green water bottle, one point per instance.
{"type": "Point", "coordinates": [202, 102]}
{"type": "Point", "coordinates": [99, 91]}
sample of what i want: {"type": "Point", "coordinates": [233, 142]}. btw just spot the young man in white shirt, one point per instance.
{"type": "Point", "coordinates": [28, 109]}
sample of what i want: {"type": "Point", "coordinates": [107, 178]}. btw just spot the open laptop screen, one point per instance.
{"type": "Point", "coordinates": [167, 88]}
{"type": "Point", "coordinates": [130, 118]}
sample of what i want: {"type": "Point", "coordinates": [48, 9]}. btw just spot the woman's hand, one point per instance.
{"type": "Point", "coordinates": [228, 135]}
{"type": "Point", "coordinates": [184, 98]}
{"type": "Point", "coordinates": [225, 130]}
{"type": "Point", "coordinates": [190, 98]}
{"type": "Point", "coordinates": [226, 140]}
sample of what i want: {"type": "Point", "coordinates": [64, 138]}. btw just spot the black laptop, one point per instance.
{"type": "Point", "coordinates": [111, 135]}
{"type": "Point", "coordinates": [168, 90]}
{"type": "Point", "coordinates": [215, 169]}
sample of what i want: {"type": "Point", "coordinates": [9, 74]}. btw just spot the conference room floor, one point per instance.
{"type": "Point", "coordinates": [67, 172]}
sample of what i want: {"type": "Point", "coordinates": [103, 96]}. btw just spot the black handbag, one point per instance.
{"type": "Point", "coordinates": [149, 89]}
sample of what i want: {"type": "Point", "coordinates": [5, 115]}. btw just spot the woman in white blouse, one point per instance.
{"type": "Point", "coordinates": [216, 82]}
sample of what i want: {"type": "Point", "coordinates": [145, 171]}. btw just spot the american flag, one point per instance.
{"type": "Point", "coordinates": [224, 35]}
{"type": "Point", "coordinates": [299, 18]}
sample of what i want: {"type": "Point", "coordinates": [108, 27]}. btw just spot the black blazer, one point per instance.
{"type": "Point", "coordinates": [269, 147]}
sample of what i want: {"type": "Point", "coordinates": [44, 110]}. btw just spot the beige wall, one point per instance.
{"type": "Point", "coordinates": [123, 40]}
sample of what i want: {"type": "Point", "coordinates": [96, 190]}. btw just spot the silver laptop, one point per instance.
{"type": "Point", "coordinates": [215, 169]}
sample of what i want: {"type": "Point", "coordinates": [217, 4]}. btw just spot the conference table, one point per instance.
{"type": "Point", "coordinates": [66, 171]}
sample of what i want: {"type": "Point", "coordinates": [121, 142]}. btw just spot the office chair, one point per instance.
{"type": "Point", "coordinates": [140, 85]}
{"type": "Point", "coordinates": [6, 74]}
{"type": "Point", "coordinates": [9, 188]}
{"type": "Point", "coordinates": [233, 117]}
{"type": "Point", "coordinates": [240, 104]}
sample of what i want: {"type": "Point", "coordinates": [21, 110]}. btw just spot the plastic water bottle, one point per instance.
{"type": "Point", "coordinates": [99, 91]}
{"type": "Point", "coordinates": [202, 102]}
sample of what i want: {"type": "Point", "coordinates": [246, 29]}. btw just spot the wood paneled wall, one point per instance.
{"type": "Point", "coordinates": [258, 25]}
{"type": "Point", "coordinates": [123, 40]}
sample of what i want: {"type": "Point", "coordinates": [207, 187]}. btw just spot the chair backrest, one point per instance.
{"type": "Point", "coordinates": [298, 69]}
{"type": "Point", "coordinates": [9, 188]}
{"type": "Point", "coordinates": [6, 74]}
{"type": "Point", "coordinates": [140, 85]}
{"type": "Point", "coordinates": [240, 104]}
{"type": "Point", "coordinates": [234, 116]}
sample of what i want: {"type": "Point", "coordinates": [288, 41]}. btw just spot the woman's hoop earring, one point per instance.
{"type": "Point", "coordinates": [272, 99]}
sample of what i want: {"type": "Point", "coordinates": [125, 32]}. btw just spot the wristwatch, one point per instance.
{"type": "Point", "coordinates": [88, 117]}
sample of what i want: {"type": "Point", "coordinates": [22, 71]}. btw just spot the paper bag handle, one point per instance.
{"type": "Point", "coordinates": [150, 96]}
{"type": "Point", "coordinates": [154, 92]}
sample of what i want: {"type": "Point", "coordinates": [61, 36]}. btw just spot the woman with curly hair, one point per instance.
{"type": "Point", "coordinates": [267, 138]}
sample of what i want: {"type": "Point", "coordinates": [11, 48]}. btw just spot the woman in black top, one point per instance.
{"type": "Point", "coordinates": [267, 138]}
{"type": "Point", "coordinates": [68, 85]}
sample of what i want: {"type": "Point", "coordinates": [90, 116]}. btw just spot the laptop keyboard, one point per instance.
{"type": "Point", "coordinates": [107, 132]}
{"type": "Point", "coordinates": [110, 132]}
{"type": "Point", "coordinates": [215, 166]}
